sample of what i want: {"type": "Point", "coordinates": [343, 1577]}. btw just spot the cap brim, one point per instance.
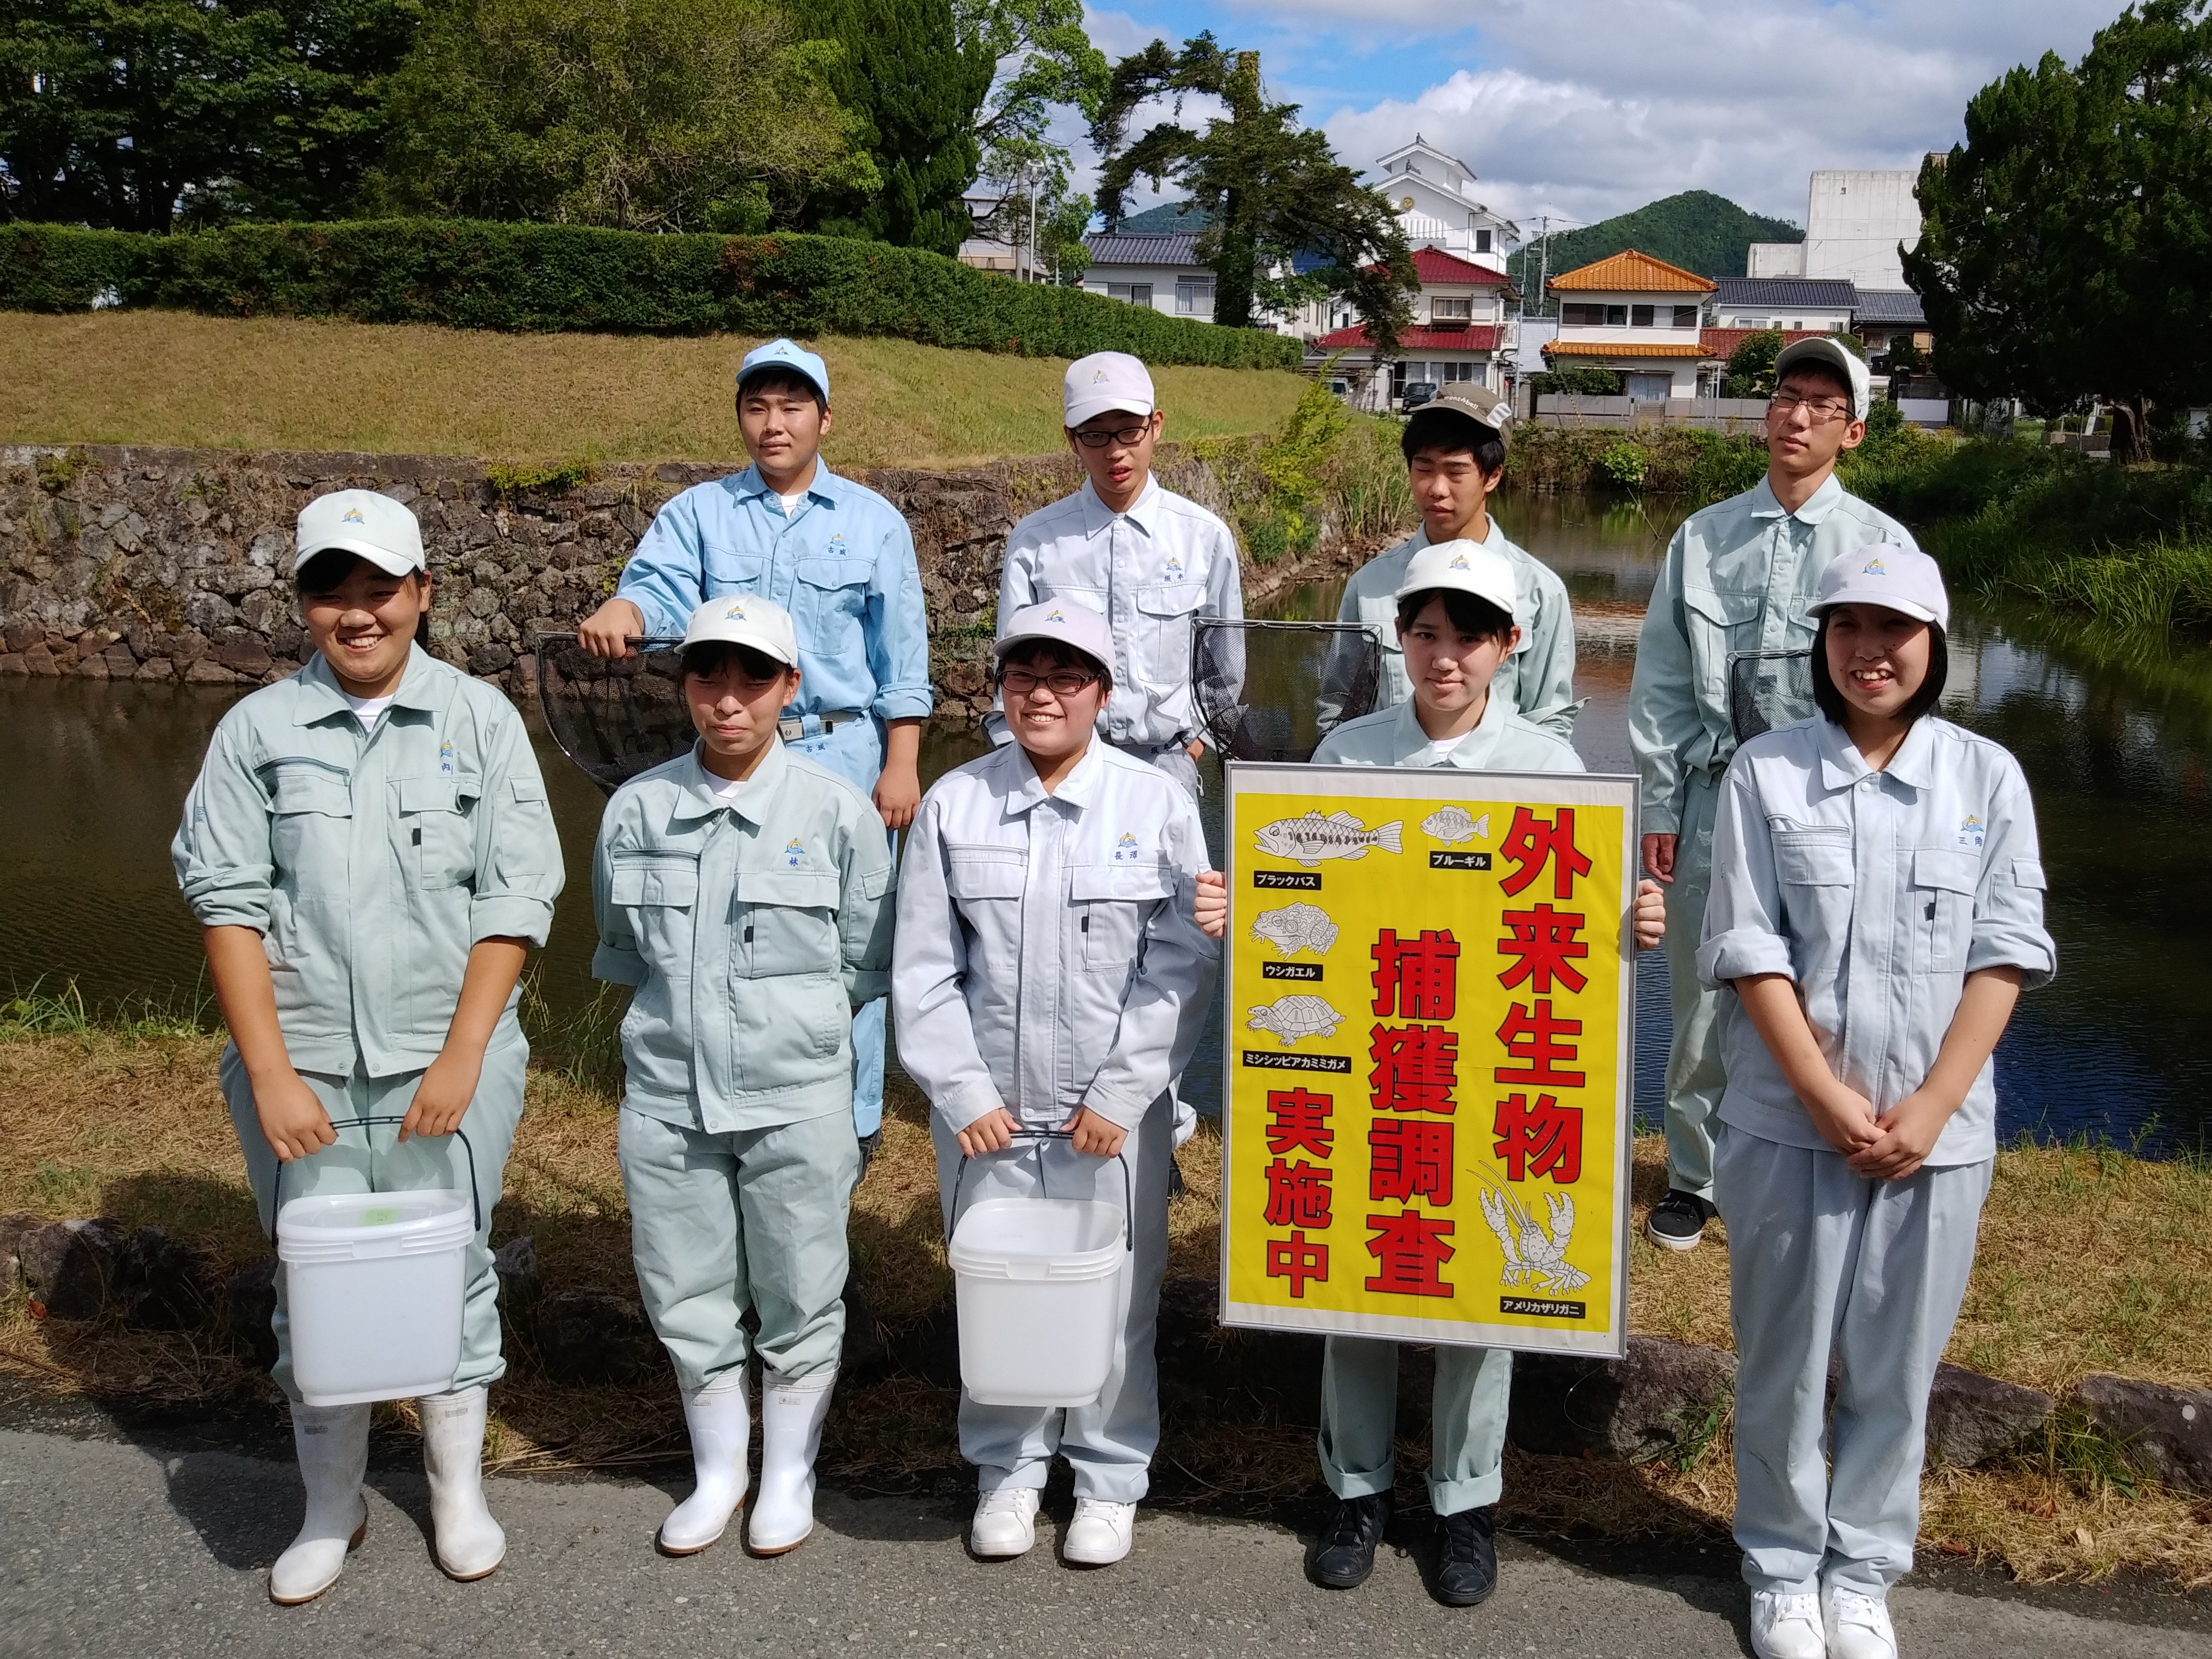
{"type": "Point", "coordinates": [1886, 601]}
{"type": "Point", "coordinates": [800, 370]}
{"type": "Point", "coordinates": [1091, 409]}
{"type": "Point", "coordinates": [768, 648]}
{"type": "Point", "coordinates": [393, 564]}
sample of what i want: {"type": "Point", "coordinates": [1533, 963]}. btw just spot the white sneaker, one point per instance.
{"type": "Point", "coordinates": [1858, 1626]}
{"type": "Point", "coordinates": [1101, 1533]}
{"type": "Point", "coordinates": [1786, 1626]}
{"type": "Point", "coordinates": [1005, 1523]}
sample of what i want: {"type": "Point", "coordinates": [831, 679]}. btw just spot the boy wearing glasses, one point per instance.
{"type": "Point", "coordinates": [1151, 562]}
{"type": "Point", "coordinates": [1737, 583]}
{"type": "Point", "coordinates": [840, 559]}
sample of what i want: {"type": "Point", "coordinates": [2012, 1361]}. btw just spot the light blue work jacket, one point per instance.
{"type": "Point", "coordinates": [1877, 893]}
{"type": "Point", "coordinates": [1153, 572]}
{"type": "Point", "coordinates": [842, 564]}
{"type": "Point", "coordinates": [1736, 579]}
{"type": "Point", "coordinates": [371, 862]}
{"type": "Point", "coordinates": [1538, 680]}
{"type": "Point", "coordinates": [1048, 958]}
{"type": "Point", "coordinates": [1503, 740]}
{"type": "Point", "coordinates": [751, 925]}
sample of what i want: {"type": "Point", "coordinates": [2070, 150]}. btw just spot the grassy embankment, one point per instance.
{"type": "Point", "coordinates": [124, 1118]}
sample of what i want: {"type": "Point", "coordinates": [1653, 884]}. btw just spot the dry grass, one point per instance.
{"type": "Point", "coordinates": [159, 377]}
{"type": "Point", "coordinates": [2090, 1260]}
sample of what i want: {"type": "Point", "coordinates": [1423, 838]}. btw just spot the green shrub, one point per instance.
{"type": "Point", "coordinates": [1624, 464]}
{"type": "Point", "coordinates": [553, 278]}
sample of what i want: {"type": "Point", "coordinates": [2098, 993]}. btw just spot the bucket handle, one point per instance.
{"type": "Point", "coordinates": [1129, 1200]}
{"type": "Point", "coordinates": [476, 1199]}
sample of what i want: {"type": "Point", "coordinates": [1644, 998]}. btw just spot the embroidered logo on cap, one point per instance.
{"type": "Point", "coordinates": [352, 515]}
{"type": "Point", "coordinates": [1098, 377]}
{"type": "Point", "coordinates": [1874, 567]}
{"type": "Point", "coordinates": [736, 613]}
{"type": "Point", "coordinates": [1053, 614]}
{"type": "Point", "coordinates": [1459, 562]}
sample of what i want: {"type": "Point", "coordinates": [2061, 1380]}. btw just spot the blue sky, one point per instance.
{"type": "Point", "coordinates": [1582, 108]}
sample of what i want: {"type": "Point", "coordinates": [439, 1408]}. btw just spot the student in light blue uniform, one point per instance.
{"type": "Point", "coordinates": [1455, 626]}
{"type": "Point", "coordinates": [744, 890]}
{"type": "Point", "coordinates": [1876, 909]}
{"type": "Point", "coordinates": [369, 850]}
{"type": "Point", "coordinates": [1049, 976]}
{"type": "Point", "coordinates": [840, 559]}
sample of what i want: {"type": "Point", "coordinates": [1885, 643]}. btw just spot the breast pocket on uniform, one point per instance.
{"type": "Point", "coordinates": [1113, 903]}
{"type": "Point", "coordinates": [436, 823]}
{"type": "Point", "coordinates": [309, 801]}
{"type": "Point", "coordinates": [981, 874]}
{"type": "Point", "coordinates": [785, 923]}
{"type": "Point", "coordinates": [1813, 868]}
{"type": "Point", "coordinates": [1723, 623]}
{"type": "Point", "coordinates": [1165, 612]}
{"type": "Point", "coordinates": [658, 891]}
{"type": "Point", "coordinates": [828, 601]}
{"type": "Point", "coordinates": [1944, 884]}
{"type": "Point", "coordinates": [729, 571]}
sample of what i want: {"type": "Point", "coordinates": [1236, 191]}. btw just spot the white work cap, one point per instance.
{"type": "Point", "coordinates": [1059, 622]}
{"type": "Point", "coordinates": [360, 521]}
{"type": "Point", "coordinates": [1900, 579]}
{"type": "Point", "coordinates": [1104, 380]}
{"type": "Point", "coordinates": [1469, 567]}
{"type": "Point", "coordinates": [1828, 350]}
{"type": "Point", "coordinates": [787, 354]}
{"type": "Point", "coordinates": [744, 619]}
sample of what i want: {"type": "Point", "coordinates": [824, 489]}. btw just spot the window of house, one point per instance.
{"type": "Point", "coordinates": [1482, 241]}
{"type": "Point", "coordinates": [1686, 316]}
{"type": "Point", "coordinates": [1443, 308]}
{"type": "Point", "coordinates": [1616, 316]}
{"type": "Point", "coordinates": [1136, 294]}
{"type": "Point", "coordinates": [1193, 296]}
{"type": "Point", "coordinates": [1455, 371]}
{"type": "Point", "coordinates": [1640, 316]}
{"type": "Point", "coordinates": [1582, 316]}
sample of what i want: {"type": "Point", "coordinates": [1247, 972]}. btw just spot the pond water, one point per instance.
{"type": "Point", "coordinates": [2115, 732]}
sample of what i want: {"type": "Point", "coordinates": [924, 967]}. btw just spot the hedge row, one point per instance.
{"type": "Point", "coordinates": [554, 278]}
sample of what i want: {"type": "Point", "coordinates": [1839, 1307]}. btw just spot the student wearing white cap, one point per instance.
{"type": "Point", "coordinates": [370, 852]}
{"type": "Point", "coordinates": [1455, 450]}
{"type": "Point", "coordinates": [840, 559]}
{"type": "Point", "coordinates": [1876, 910]}
{"type": "Point", "coordinates": [1733, 591]}
{"type": "Point", "coordinates": [1049, 976]}
{"type": "Point", "coordinates": [1455, 627]}
{"type": "Point", "coordinates": [744, 889]}
{"type": "Point", "coordinates": [1151, 561]}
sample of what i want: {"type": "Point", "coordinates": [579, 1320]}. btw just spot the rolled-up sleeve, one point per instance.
{"type": "Point", "coordinates": [2008, 928]}
{"type": "Point", "coordinates": [667, 576]}
{"type": "Point", "coordinates": [866, 910]}
{"type": "Point", "coordinates": [616, 959]}
{"type": "Point", "coordinates": [898, 640]}
{"type": "Point", "coordinates": [1743, 932]}
{"type": "Point", "coordinates": [929, 960]}
{"type": "Point", "coordinates": [223, 856]}
{"type": "Point", "coordinates": [518, 868]}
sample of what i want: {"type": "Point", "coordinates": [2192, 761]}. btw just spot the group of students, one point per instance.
{"type": "Point", "coordinates": [1851, 904]}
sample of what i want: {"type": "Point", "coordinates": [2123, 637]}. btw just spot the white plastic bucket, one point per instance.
{"type": "Point", "coordinates": [372, 1287]}
{"type": "Point", "coordinates": [1039, 1285]}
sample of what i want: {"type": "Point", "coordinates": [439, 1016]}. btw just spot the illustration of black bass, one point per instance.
{"type": "Point", "coordinates": [1312, 838]}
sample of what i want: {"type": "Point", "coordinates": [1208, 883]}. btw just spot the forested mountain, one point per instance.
{"type": "Point", "coordinates": [1697, 230]}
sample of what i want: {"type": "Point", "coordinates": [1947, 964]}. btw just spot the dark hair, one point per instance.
{"type": "Point", "coordinates": [1470, 613]}
{"type": "Point", "coordinates": [1052, 655]}
{"type": "Point", "coordinates": [1817, 368]}
{"type": "Point", "coordinates": [781, 379]}
{"type": "Point", "coordinates": [1450, 432]}
{"type": "Point", "coordinates": [1830, 700]}
{"type": "Point", "coordinates": [709, 657]}
{"type": "Point", "coordinates": [327, 571]}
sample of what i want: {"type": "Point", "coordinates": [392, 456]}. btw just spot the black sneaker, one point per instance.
{"type": "Point", "coordinates": [1677, 1222]}
{"type": "Point", "coordinates": [1345, 1553]}
{"type": "Point", "coordinates": [1467, 1557]}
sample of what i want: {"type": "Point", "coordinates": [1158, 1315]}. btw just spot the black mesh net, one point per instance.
{"type": "Point", "coordinates": [614, 718]}
{"type": "Point", "coordinates": [1273, 690]}
{"type": "Point", "coordinates": [1767, 689]}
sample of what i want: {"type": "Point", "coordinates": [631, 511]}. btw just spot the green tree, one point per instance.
{"type": "Point", "coordinates": [637, 114]}
{"type": "Point", "coordinates": [2066, 251]}
{"type": "Point", "coordinates": [1749, 372]}
{"type": "Point", "coordinates": [1274, 195]}
{"type": "Point", "coordinates": [1045, 62]}
{"type": "Point", "coordinates": [133, 114]}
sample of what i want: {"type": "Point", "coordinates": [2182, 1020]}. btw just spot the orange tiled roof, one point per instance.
{"type": "Point", "coordinates": [1631, 272]}
{"type": "Point", "coordinates": [1623, 352]}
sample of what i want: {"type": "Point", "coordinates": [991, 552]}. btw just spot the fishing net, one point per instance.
{"type": "Point", "coordinates": [1273, 690]}
{"type": "Point", "coordinates": [1767, 689]}
{"type": "Point", "coordinates": [614, 718]}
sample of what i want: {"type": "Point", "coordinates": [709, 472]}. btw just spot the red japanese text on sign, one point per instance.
{"type": "Point", "coordinates": [1531, 1035]}
{"type": "Point", "coordinates": [1409, 1250]}
{"type": "Point", "coordinates": [1531, 843]}
{"type": "Point", "coordinates": [1297, 1195]}
{"type": "Point", "coordinates": [1298, 1120]}
{"type": "Point", "coordinates": [1409, 1157]}
{"type": "Point", "coordinates": [1416, 1067]}
{"type": "Point", "coordinates": [1544, 948]}
{"type": "Point", "coordinates": [1540, 1139]}
{"type": "Point", "coordinates": [1298, 1259]}
{"type": "Point", "coordinates": [1416, 978]}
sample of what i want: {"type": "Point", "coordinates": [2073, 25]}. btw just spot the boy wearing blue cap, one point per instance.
{"type": "Point", "coordinates": [840, 559]}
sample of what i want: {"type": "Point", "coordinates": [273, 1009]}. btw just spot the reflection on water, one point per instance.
{"type": "Point", "coordinates": [2114, 730]}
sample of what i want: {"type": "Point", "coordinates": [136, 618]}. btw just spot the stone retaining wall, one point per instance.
{"type": "Point", "coordinates": [161, 565]}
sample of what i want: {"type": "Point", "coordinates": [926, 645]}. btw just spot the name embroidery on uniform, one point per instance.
{"type": "Point", "coordinates": [446, 757]}
{"type": "Point", "coordinates": [1174, 566]}
{"type": "Point", "coordinates": [793, 852]}
{"type": "Point", "coordinates": [1126, 849]}
{"type": "Point", "coordinates": [1970, 830]}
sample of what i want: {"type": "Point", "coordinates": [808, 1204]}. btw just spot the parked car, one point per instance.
{"type": "Point", "coordinates": [1416, 393]}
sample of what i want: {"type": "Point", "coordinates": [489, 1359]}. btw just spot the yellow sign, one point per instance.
{"type": "Point", "coordinates": [1428, 1059]}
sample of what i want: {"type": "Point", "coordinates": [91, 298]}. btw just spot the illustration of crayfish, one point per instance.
{"type": "Point", "coordinates": [1536, 1257]}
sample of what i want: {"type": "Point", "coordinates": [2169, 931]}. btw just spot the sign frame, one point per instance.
{"type": "Point", "coordinates": [1428, 785]}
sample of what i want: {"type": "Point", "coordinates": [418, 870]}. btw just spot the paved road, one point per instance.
{"type": "Point", "coordinates": [113, 1549]}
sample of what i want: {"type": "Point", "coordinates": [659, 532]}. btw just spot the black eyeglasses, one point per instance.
{"type": "Point", "coordinates": [1128, 436]}
{"type": "Point", "coordinates": [1061, 682]}
{"type": "Point", "coordinates": [1821, 409]}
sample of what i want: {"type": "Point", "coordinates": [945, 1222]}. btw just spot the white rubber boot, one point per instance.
{"type": "Point", "coordinates": [332, 1442]}
{"type": "Point", "coordinates": [792, 1415]}
{"type": "Point", "coordinates": [721, 1429]}
{"type": "Point", "coordinates": [470, 1543]}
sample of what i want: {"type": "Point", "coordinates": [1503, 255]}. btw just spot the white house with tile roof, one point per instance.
{"type": "Point", "coordinates": [1466, 324]}
{"type": "Point", "coordinates": [1435, 197]}
{"type": "Point", "coordinates": [1637, 316]}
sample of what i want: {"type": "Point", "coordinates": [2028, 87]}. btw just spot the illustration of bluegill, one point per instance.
{"type": "Point", "coordinates": [1295, 927]}
{"type": "Point", "coordinates": [1453, 824]}
{"type": "Point", "coordinates": [1312, 838]}
{"type": "Point", "coordinates": [1292, 1017]}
